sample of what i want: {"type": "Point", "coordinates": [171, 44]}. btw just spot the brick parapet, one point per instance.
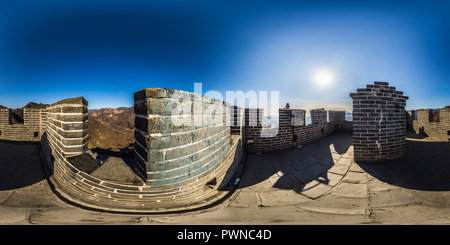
{"type": "Point", "coordinates": [289, 136]}
{"type": "Point", "coordinates": [30, 130]}
{"type": "Point", "coordinates": [435, 130]}
{"type": "Point", "coordinates": [180, 136]}
{"type": "Point", "coordinates": [67, 126]}
{"type": "Point", "coordinates": [379, 123]}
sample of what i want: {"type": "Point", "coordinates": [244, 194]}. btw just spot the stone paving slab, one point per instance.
{"type": "Point", "coordinates": [286, 182]}
{"type": "Point", "coordinates": [411, 214]}
{"type": "Point", "coordinates": [350, 190]}
{"type": "Point", "coordinates": [270, 191]}
{"type": "Point", "coordinates": [314, 189]}
{"type": "Point", "coordinates": [374, 184]}
{"type": "Point", "coordinates": [311, 160]}
{"type": "Point", "coordinates": [318, 169]}
{"type": "Point", "coordinates": [338, 169]}
{"type": "Point", "coordinates": [282, 170]}
{"type": "Point", "coordinates": [330, 178]}
{"type": "Point", "coordinates": [255, 185]}
{"type": "Point", "coordinates": [337, 205]}
{"type": "Point", "coordinates": [432, 197]}
{"type": "Point", "coordinates": [299, 165]}
{"type": "Point", "coordinates": [356, 168]}
{"type": "Point", "coordinates": [245, 199]}
{"type": "Point", "coordinates": [355, 178]}
{"type": "Point", "coordinates": [264, 173]}
{"type": "Point", "coordinates": [304, 176]}
{"type": "Point", "coordinates": [281, 198]}
{"type": "Point", "coordinates": [392, 197]}
{"type": "Point", "coordinates": [327, 162]}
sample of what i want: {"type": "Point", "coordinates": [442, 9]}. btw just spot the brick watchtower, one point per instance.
{"type": "Point", "coordinates": [379, 123]}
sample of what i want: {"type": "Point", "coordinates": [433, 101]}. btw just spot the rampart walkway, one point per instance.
{"type": "Point", "coordinates": [318, 183]}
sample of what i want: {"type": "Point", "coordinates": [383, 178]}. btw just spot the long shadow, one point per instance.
{"type": "Point", "coordinates": [426, 167]}
{"type": "Point", "coordinates": [126, 152]}
{"type": "Point", "coordinates": [20, 165]}
{"type": "Point", "coordinates": [294, 168]}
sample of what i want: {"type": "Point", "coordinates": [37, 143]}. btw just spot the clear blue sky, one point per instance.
{"type": "Point", "coordinates": [107, 50]}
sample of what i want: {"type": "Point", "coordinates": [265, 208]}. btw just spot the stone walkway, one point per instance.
{"type": "Point", "coordinates": [318, 183]}
{"type": "Point", "coordinates": [320, 177]}
{"type": "Point", "coordinates": [323, 178]}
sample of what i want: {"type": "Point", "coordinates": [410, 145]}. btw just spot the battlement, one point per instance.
{"type": "Point", "coordinates": [30, 130]}
{"type": "Point", "coordinates": [292, 130]}
{"type": "Point", "coordinates": [379, 123]}
{"type": "Point", "coordinates": [438, 129]}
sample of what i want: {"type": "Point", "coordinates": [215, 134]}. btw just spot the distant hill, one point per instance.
{"type": "Point", "coordinates": [122, 116]}
{"type": "Point", "coordinates": [90, 111]}
{"type": "Point", "coordinates": [111, 131]}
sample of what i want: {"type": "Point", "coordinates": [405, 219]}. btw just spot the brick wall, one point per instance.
{"type": "Point", "coordinates": [379, 123]}
{"type": "Point", "coordinates": [63, 132]}
{"type": "Point", "coordinates": [292, 136]}
{"type": "Point", "coordinates": [67, 126]}
{"type": "Point", "coordinates": [435, 130]}
{"type": "Point", "coordinates": [236, 120]}
{"type": "Point", "coordinates": [411, 116]}
{"type": "Point", "coordinates": [30, 130]}
{"type": "Point", "coordinates": [181, 137]}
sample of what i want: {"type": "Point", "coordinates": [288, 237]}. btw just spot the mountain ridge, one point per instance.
{"type": "Point", "coordinates": [111, 130]}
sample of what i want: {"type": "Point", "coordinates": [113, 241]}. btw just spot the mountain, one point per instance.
{"type": "Point", "coordinates": [90, 111]}
{"type": "Point", "coordinates": [122, 116]}
{"type": "Point", "coordinates": [111, 131]}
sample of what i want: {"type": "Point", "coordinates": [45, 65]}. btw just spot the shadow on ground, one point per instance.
{"type": "Point", "coordinates": [20, 165]}
{"type": "Point", "coordinates": [126, 152]}
{"type": "Point", "coordinates": [323, 162]}
{"type": "Point", "coordinates": [107, 165]}
{"type": "Point", "coordinates": [426, 167]}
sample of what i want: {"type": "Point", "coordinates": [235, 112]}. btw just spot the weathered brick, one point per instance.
{"type": "Point", "coordinates": [386, 125]}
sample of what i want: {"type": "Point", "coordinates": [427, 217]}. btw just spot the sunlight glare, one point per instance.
{"type": "Point", "coordinates": [323, 78]}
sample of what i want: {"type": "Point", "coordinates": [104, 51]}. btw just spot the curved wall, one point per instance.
{"type": "Point", "coordinates": [180, 136]}
{"type": "Point", "coordinates": [64, 135]}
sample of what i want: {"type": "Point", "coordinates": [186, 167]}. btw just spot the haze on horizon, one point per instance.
{"type": "Point", "coordinates": [313, 52]}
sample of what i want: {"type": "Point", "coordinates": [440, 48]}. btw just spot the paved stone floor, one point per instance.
{"type": "Point", "coordinates": [318, 183]}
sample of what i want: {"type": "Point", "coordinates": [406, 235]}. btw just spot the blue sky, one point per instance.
{"type": "Point", "coordinates": [107, 50]}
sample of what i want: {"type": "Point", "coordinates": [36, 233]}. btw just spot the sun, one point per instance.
{"type": "Point", "coordinates": [323, 78]}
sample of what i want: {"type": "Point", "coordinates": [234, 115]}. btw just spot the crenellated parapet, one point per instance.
{"type": "Point", "coordinates": [30, 130]}
{"type": "Point", "coordinates": [292, 130]}
{"type": "Point", "coordinates": [67, 126]}
{"type": "Point", "coordinates": [438, 129]}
